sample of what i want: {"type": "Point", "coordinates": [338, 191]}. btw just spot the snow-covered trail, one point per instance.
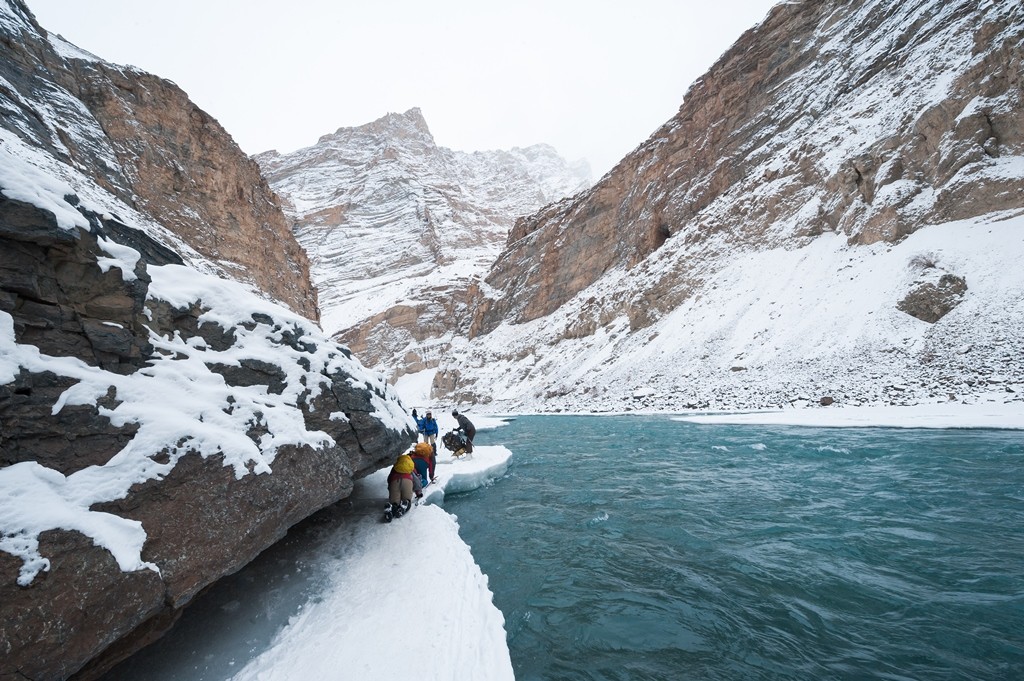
{"type": "Point", "coordinates": [403, 600]}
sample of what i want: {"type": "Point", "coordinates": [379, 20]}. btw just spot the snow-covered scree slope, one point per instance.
{"type": "Point", "coordinates": [405, 599]}
{"type": "Point", "coordinates": [779, 327]}
{"type": "Point", "coordinates": [396, 227]}
{"type": "Point", "coordinates": [834, 213]}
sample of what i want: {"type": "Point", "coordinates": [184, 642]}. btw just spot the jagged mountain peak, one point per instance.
{"type": "Point", "coordinates": [408, 127]}
{"type": "Point", "coordinates": [411, 122]}
{"type": "Point", "coordinates": [381, 204]}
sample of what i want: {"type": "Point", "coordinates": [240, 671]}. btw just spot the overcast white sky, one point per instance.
{"type": "Point", "coordinates": [594, 78]}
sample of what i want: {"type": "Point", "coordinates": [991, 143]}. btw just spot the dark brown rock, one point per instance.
{"type": "Point", "coordinates": [61, 300]}
{"type": "Point", "coordinates": [931, 302]}
{"type": "Point", "coordinates": [74, 439]}
{"type": "Point", "coordinates": [203, 519]}
{"type": "Point", "coordinates": [82, 605]}
{"type": "Point", "coordinates": [142, 139]}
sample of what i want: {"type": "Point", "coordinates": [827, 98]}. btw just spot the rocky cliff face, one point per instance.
{"type": "Point", "coordinates": [213, 466]}
{"type": "Point", "coordinates": [159, 425]}
{"type": "Point", "coordinates": [865, 121]}
{"type": "Point", "coordinates": [868, 119]}
{"type": "Point", "coordinates": [396, 227]}
{"type": "Point", "coordinates": [140, 137]}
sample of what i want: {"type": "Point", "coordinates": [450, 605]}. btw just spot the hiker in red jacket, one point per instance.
{"type": "Point", "coordinates": [423, 458]}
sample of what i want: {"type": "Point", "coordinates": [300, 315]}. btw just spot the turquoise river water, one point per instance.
{"type": "Point", "coordinates": [639, 547]}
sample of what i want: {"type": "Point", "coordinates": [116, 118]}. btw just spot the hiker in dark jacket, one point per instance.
{"type": "Point", "coordinates": [467, 427]}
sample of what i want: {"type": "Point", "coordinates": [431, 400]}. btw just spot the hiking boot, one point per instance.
{"type": "Point", "coordinates": [406, 505]}
{"type": "Point", "coordinates": [397, 510]}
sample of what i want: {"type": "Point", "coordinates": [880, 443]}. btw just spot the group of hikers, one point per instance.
{"type": "Point", "coordinates": [414, 470]}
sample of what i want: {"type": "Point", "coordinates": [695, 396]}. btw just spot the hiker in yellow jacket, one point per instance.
{"type": "Point", "coordinates": [402, 484]}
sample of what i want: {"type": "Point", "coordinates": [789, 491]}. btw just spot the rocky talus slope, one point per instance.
{"type": "Point", "coordinates": [828, 140]}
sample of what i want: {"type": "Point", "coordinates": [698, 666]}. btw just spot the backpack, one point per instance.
{"type": "Point", "coordinates": [404, 464]}
{"type": "Point", "coordinates": [454, 440]}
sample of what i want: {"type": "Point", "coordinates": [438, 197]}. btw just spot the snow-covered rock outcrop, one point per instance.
{"type": "Point", "coordinates": [159, 425]}
{"type": "Point", "coordinates": [396, 229]}
{"type": "Point", "coordinates": [833, 214]}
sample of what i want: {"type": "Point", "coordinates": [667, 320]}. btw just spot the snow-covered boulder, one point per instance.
{"type": "Point", "coordinates": [160, 428]}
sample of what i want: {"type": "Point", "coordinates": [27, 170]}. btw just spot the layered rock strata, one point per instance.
{"type": "Point", "coordinates": [139, 137]}
{"type": "Point", "coordinates": [870, 119]}
{"type": "Point", "coordinates": [397, 227]}
{"type": "Point", "coordinates": [865, 121]}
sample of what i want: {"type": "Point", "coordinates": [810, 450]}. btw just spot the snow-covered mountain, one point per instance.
{"type": "Point", "coordinates": [836, 213]}
{"type": "Point", "coordinates": [396, 228]}
{"type": "Point", "coordinates": [162, 421]}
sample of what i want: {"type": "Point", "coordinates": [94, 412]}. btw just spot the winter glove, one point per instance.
{"type": "Point", "coordinates": [414, 413]}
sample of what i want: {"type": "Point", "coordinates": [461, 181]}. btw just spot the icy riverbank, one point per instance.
{"type": "Point", "coordinates": [404, 599]}
{"type": "Point", "coordinates": [983, 414]}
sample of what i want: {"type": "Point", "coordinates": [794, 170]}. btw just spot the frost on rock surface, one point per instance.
{"type": "Point", "coordinates": [181, 400]}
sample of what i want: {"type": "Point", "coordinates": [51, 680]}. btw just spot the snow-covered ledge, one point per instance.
{"type": "Point", "coordinates": [406, 599]}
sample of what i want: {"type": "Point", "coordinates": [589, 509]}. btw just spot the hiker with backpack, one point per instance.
{"type": "Point", "coordinates": [402, 484]}
{"type": "Point", "coordinates": [423, 458]}
{"type": "Point", "coordinates": [428, 428]}
{"type": "Point", "coordinates": [467, 428]}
